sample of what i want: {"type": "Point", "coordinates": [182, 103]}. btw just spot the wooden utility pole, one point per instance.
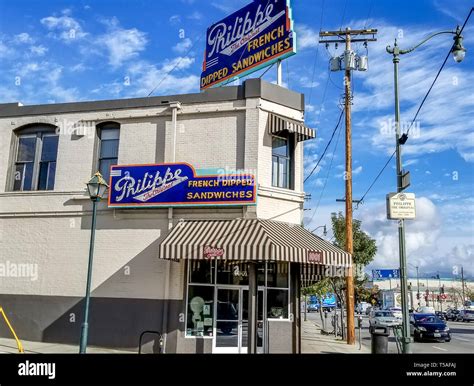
{"type": "Point", "coordinates": [350, 63]}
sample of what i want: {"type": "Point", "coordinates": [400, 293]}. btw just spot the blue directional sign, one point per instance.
{"type": "Point", "coordinates": [247, 40]}
{"type": "Point", "coordinates": [385, 274]}
{"type": "Point", "coordinates": [178, 184]}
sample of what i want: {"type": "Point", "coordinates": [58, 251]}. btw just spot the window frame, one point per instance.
{"type": "Point", "coordinates": [38, 131]}
{"type": "Point", "coordinates": [108, 125]}
{"type": "Point", "coordinates": [289, 160]}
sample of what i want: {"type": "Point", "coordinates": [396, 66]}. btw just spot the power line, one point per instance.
{"type": "Point", "coordinates": [419, 109]}
{"type": "Point", "coordinates": [327, 146]}
{"type": "Point", "coordinates": [175, 66]}
{"type": "Point", "coordinates": [437, 76]}
{"type": "Point", "coordinates": [316, 56]}
{"type": "Point", "coordinates": [327, 176]}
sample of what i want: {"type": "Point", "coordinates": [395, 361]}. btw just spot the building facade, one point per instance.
{"type": "Point", "coordinates": [49, 152]}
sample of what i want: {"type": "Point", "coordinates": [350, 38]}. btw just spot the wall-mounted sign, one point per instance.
{"type": "Point", "coordinates": [315, 257]}
{"type": "Point", "coordinates": [248, 40]}
{"type": "Point", "coordinates": [212, 252]}
{"type": "Point", "coordinates": [158, 185]}
{"type": "Point", "coordinates": [401, 206]}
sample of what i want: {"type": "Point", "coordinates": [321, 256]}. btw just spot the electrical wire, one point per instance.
{"type": "Point", "coordinates": [327, 176]}
{"type": "Point", "coordinates": [327, 146]}
{"type": "Point", "coordinates": [175, 66]}
{"type": "Point", "coordinates": [419, 109]}
{"type": "Point", "coordinates": [316, 56]}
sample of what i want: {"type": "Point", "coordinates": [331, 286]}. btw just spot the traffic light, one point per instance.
{"type": "Point", "coordinates": [418, 296]}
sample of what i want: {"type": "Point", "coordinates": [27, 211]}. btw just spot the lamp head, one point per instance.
{"type": "Point", "coordinates": [97, 187]}
{"type": "Point", "coordinates": [459, 52]}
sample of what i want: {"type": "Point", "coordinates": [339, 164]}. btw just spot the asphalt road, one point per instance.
{"type": "Point", "coordinates": [462, 338]}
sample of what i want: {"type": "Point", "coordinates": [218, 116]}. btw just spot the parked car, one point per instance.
{"type": "Point", "coordinates": [312, 307]}
{"type": "Point", "coordinates": [383, 318]}
{"type": "Point", "coordinates": [466, 315]}
{"type": "Point", "coordinates": [429, 327]}
{"type": "Point", "coordinates": [452, 314]}
{"type": "Point", "coordinates": [425, 310]}
{"type": "Point", "coordinates": [441, 315]}
{"type": "Point", "coordinates": [397, 312]}
{"type": "Point", "coordinates": [368, 310]}
{"type": "Point", "coordinates": [362, 307]}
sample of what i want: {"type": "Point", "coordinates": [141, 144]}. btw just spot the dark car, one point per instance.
{"type": "Point", "coordinates": [429, 327]}
{"type": "Point", "coordinates": [441, 315]}
{"type": "Point", "coordinates": [452, 314]}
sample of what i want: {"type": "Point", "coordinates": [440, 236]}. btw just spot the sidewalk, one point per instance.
{"type": "Point", "coordinates": [8, 346]}
{"type": "Point", "coordinates": [314, 342]}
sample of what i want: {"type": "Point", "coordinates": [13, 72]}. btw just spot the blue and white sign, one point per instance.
{"type": "Point", "coordinates": [178, 184]}
{"type": "Point", "coordinates": [251, 38]}
{"type": "Point", "coordinates": [385, 274]}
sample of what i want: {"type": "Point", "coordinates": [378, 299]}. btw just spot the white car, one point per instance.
{"type": "Point", "coordinates": [383, 318]}
{"type": "Point", "coordinates": [425, 310]}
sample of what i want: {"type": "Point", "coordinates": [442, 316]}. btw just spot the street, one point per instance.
{"type": "Point", "coordinates": [462, 337]}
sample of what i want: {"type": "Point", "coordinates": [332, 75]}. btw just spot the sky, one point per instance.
{"type": "Point", "coordinates": [62, 51]}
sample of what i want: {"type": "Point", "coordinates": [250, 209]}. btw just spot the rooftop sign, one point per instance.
{"type": "Point", "coordinates": [167, 185]}
{"type": "Point", "coordinates": [247, 40]}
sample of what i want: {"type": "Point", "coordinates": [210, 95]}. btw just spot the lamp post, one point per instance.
{"type": "Point", "coordinates": [459, 53]}
{"type": "Point", "coordinates": [96, 188]}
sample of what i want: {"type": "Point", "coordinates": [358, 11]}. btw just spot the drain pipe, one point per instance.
{"type": "Point", "coordinates": [175, 106]}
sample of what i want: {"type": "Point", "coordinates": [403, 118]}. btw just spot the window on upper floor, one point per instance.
{"type": "Point", "coordinates": [281, 162]}
{"type": "Point", "coordinates": [36, 153]}
{"type": "Point", "coordinates": [109, 135]}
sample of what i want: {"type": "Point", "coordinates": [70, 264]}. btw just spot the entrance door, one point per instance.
{"type": "Point", "coordinates": [231, 328]}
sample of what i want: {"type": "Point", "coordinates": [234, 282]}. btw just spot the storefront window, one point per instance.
{"type": "Point", "coordinates": [201, 272]}
{"type": "Point", "coordinates": [277, 275]}
{"type": "Point", "coordinates": [233, 273]}
{"type": "Point", "coordinates": [277, 303]}
{"type": "Point", "coordinates": [200, 310]}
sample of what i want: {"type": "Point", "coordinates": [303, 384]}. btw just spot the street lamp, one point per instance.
{"type": "Point", "coordinates": [458, 52]}
{"type": "Point", "coordinates": [417, 284]}
{"type": "Point", "coordinates": [96, 188]}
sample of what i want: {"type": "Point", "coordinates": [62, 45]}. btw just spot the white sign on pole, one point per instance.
{"type": "Point", "coordinates": [401, 206]}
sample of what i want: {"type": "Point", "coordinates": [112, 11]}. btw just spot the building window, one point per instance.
{"type": "Point", "coordinates": [200, 320]}
{"type": "Point", "coordinates": [35, 166]}
{"type": "Point", "coordinates": [281, 162]}
{"type": "Point", "coordinates": [278, 290]}
{"type": "Point", "coordinates": [109, 134]}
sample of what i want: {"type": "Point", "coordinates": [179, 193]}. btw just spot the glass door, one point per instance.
{"type": "Point", "coordinates": [228, 323]}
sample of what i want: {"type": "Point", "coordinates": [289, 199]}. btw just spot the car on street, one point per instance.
{"type": "Point", "coordinates": [452, 314]}
{"type": "Point", "coordinates": [383, 318]}
{"type": "Point", "coordinates": [312, 307]}
{"type": "Point", "coordinates": [466, 315]}
{"type": "Point", "coordinates": [362, 307]}
{"type": "Point", "coordinates": [429, 327]}
{"type": "Point", "coordinates": [397, 312]}
{"type": "Point", "coordinates": [441, 315]}
{"type": "Point", "coordinates": [425, 310]}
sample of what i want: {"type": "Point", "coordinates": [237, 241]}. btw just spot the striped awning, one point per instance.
{"type": "Point", "coordinates": [278, 125]}
{"type": "Point", "coordinates": [255, 240]}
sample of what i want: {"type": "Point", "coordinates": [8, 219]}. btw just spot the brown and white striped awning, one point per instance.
{"type": "Point", "coordinates": [278, 125]}
{"type": "Point", "coordinates": [255, 240]}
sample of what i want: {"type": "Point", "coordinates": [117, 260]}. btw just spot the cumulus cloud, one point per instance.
{"type": "Point", "coordinates": [23, 38]}
{"type": "Point", "coordinates": [183, 46]}
{"type": "Point", "coordinates": [306, 37]}
{"type": "Point", "coordinates": [64, 27]}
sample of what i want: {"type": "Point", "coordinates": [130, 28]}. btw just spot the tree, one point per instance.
{"type": "Point", "coordinates": [364, 250]}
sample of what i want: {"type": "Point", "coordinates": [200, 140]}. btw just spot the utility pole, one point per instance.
{"type": "Point", "coordinates": [350, 62]}
{"type": "Point", "coordinates": [418, 286]}
{"type": "Point", "coordinates": [462, 285]}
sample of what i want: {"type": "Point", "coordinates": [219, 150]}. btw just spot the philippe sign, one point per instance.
{"type": "Point", "coordinates": [177, 184]}
{"type": "Point", "coordinates": [248, 40]}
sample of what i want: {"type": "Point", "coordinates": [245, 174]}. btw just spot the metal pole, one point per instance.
{"type": "Point", "coordinates": [462, 285]}
{"type": "Point", "coordinates": [305, 306]}
{"type": "Point", "coordinates": [85, 324]}
{"type": "Point", "coordinates": [279, 73]}
{"type": "Point", "coordinates": [252, 317]}
{"type": "Point", "coordinates": [427, 293]}
{"type": "Point", "coordinates": [349, 241]}
{"type": "Point", "coordinates": [418, 285]}
{"type": "Point", "coordinates": [406, 340]}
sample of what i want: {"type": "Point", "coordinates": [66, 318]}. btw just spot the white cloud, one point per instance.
{"type": "Point", "coordinates": [122, 44]}
{"type": "Point", "coordinates": [23, 38]}
{"type": "Point", "coordinates": [175, 19]}
{"type": "Point", "coordinates": [306, 37]}
{"type": "Point", "coordinates": [38, 50]}
{"type": "Point", "coordinates": [183, 46]}
{"type": "Point", "coordinates": [64, 27]}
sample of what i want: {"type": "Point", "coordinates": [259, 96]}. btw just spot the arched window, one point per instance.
{"type": "Point", "coordinates": [109, 135]}
{"type": "Point", "coordinates": [36, 153]}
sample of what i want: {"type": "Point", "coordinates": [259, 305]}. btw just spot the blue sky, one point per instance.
{"type": "Point", "coordinates": [59, 51]}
